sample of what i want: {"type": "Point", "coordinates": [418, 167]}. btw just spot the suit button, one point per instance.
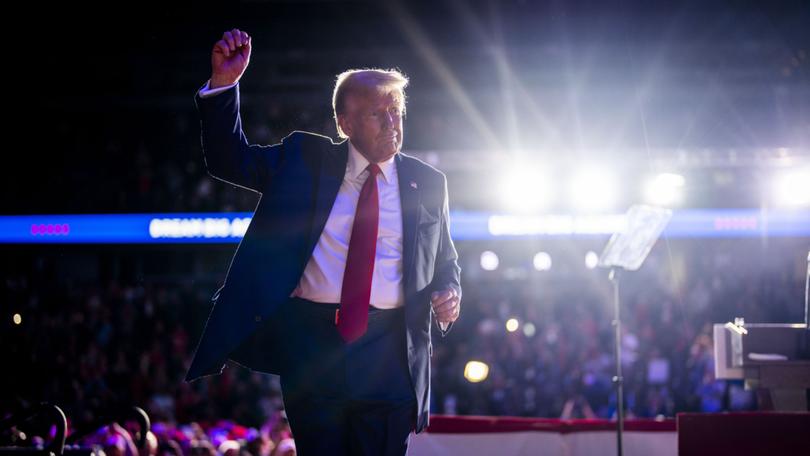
{"type": "Point", "coordinates": [258, 318]}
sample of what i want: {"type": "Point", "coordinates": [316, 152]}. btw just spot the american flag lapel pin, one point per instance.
{"type": "Point", "coordinates": [413, 185]}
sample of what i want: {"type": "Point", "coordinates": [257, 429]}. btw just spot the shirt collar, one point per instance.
{"type": "Point", "coordinates": [358, 163]}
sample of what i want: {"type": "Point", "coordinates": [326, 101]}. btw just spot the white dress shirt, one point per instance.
{"type": "Point", "coordinates": [323, 276]}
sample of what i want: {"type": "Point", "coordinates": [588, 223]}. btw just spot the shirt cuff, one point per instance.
{"type": "Point", "coordinates": [205, 92]}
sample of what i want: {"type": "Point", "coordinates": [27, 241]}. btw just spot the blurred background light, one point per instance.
{"type": "Point", "coordinates": [594, 189]}
{"type": "Point", "coordinates": [542, 261]}
{"type": "Point", "coordinates": [476, 371]}
{"type": "Point", "coordinates": [792, 188]}
{"type": "Point", "coordinates": [489, 261]}
{"type": "Point", "coordinates": [665, 189]}
{"type": "Point", "coordinates": [512, 325]}
{"type": "Point", "coordinates": [591, 259]}
{"type": "Point", "coordinates": [525, 189]}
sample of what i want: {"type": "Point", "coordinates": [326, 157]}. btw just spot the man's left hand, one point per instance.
{"type": "Point", "coordinates": [446, 305]}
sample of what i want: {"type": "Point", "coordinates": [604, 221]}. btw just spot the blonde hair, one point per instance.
{"type": "Point", "coordinates": [362, 82]}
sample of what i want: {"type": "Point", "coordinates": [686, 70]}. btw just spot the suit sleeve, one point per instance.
{"type": "Point", "coordinates": [207, 91]}
{"type": "Point", "coordinates": [228, 155]}
{"type": "Point", "coordinates": [447, 270]}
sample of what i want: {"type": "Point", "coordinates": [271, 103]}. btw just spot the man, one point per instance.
{"type": "Point", "coordinates": [345, 263]}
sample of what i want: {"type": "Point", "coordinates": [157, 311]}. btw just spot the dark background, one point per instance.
{"type": "Point", "coordinates": [105, 91]}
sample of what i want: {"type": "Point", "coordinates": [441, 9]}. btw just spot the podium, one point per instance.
{"type": "Point", "coordinates": [775, 357]}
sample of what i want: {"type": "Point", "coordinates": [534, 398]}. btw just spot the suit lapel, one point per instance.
{"type": "Point", "coordinates": [333, 168]}
{"type": "Point", "coordinates": [409, 195]}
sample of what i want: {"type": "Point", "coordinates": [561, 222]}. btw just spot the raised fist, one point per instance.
{"type": "Point", "coordinates": [230, 58]}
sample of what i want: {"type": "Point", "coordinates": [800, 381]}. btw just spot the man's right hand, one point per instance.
{"type": "Point", "coordinates": [230, 58]}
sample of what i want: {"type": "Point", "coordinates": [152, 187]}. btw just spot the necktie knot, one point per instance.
{"type": "Point", "coordinates": [373, 169]}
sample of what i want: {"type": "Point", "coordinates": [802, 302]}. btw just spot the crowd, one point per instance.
{"type": "Point", "coordinates": [560, 362]}
{"type": "Point", "coordinates": [127, 339]}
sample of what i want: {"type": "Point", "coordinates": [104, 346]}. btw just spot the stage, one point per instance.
{"type": "Point", "coordinates": [690, 434]}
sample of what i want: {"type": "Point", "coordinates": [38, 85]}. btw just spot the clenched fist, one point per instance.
{"type": "Point", "coordinates": [230, 58]}
{"type": "Point", "coordinates": [446, 306]}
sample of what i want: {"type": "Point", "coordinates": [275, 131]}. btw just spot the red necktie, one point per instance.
{"type": "Point", "coordinates": [355, 294]}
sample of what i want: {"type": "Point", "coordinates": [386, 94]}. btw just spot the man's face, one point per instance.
{"type": "Point", "coordinates": [373, 123]}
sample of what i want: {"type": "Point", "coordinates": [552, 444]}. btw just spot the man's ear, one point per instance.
{"type": "Point", "coordinates": [345, 125]}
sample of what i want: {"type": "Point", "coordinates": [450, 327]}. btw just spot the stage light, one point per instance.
{"type": "Point", "coordinates": [476, 371]}
{"type": "Point", "coordinates": [792, 188]}
{"type": "Point", "coordinates": [17, 319]}
{"type": "Point", "coordinates": [512, 325]}
{"type": "Point", "coordinates": [542, 261]}
{"type": "Point", "coordinates": [591, 259]}
{"type": "Point", "coordinates": [594, 189]}
{"type": "Point", "coordinates": [489, 261]}
{"type": "Point", "coordinates": [525, 189]}
{"type": "Point", "coordinates": [665, 189]}
{"type": "Point", "coordinates": [529, 329]}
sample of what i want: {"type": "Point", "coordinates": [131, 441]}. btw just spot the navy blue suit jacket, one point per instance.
{"type": "Point", "coordinates": [298, 180]}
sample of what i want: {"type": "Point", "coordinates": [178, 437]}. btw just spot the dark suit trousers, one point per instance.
{"type": "Point", "coordinates": [346, 399]}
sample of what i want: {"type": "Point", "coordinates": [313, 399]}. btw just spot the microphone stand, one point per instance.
{"type": "Point", "coordinates": [618, 380]}
{"type": "Point", "coordinates": [626, 250]}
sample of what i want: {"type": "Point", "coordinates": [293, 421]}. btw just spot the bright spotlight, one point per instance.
{"type": "Point", "coordinates": [17, 319]}
{"type": "Point", "coordinates": [512, 325]}
{"type": "Point", "coordinates": [525, 189]}
{"type": "Point", "coordinates": [476, 371]}
{"type": "Point", "coordinates": [542, 261]}
{"type": "Point", "coordinates": [529, 329]}
{"type": "Point", "coordinates": [793, 188]}
{"type": "Point", "coordinates": [594, 189]}
{"type": "Point", "coordinates": [489, 261]}
{"type": "Point", "coordinates": [591, 259]}
{"type": "Point", "coordinates": [665, 189]}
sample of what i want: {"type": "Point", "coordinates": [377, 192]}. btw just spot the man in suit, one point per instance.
{"type": "Point", "coordinates": [347, 260]}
